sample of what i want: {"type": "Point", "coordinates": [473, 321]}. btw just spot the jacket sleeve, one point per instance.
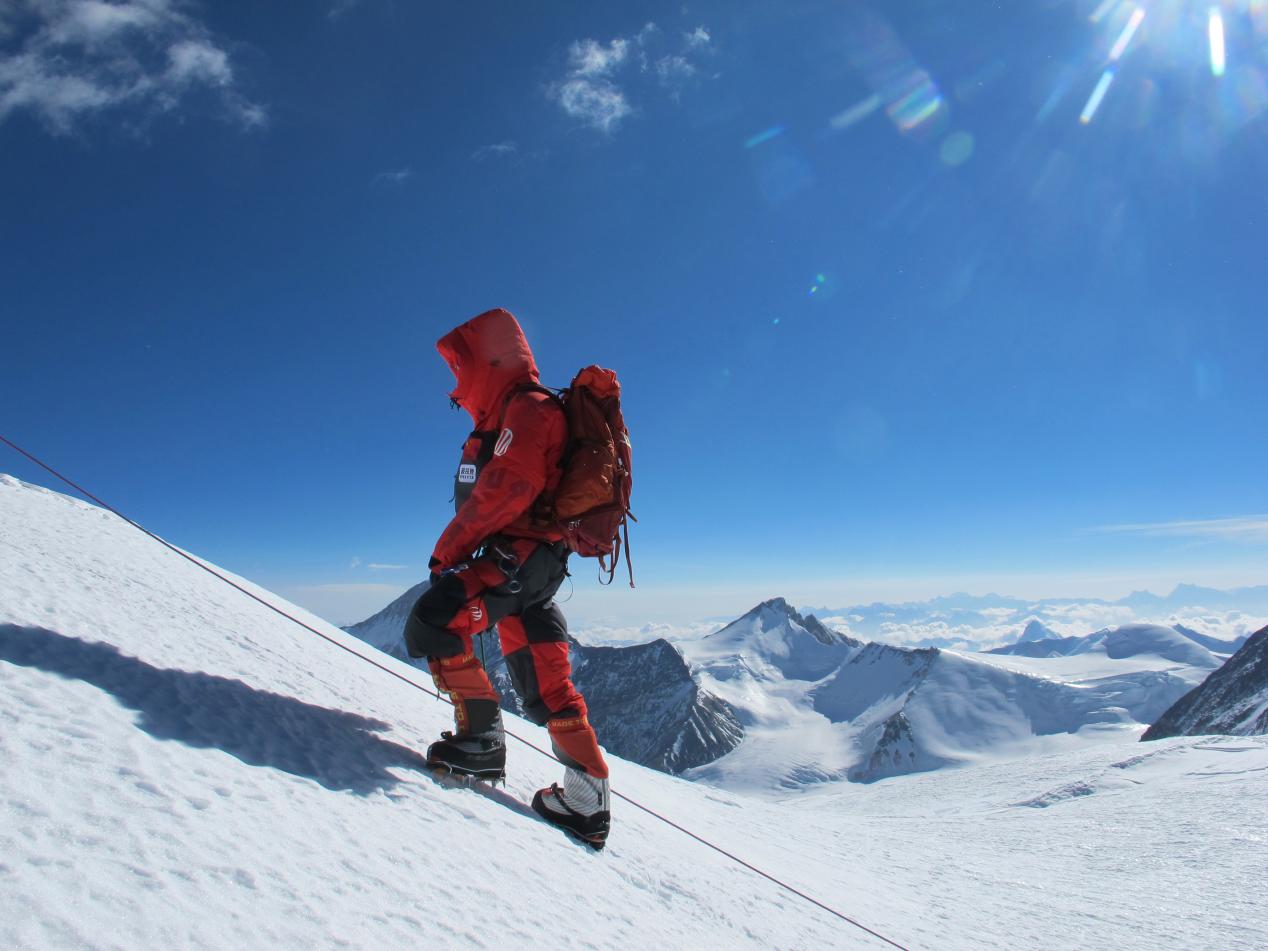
{"type": "Point", "coordinates": [529, 444]}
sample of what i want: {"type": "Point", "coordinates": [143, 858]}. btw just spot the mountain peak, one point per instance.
{"type": "Point", "coordinates": [1036, 630]}
{"type": "Point", "coordinates": [782, 612]}
{"type": "Point", "coordinates": [774, 634]}
{"type": "Point", "coordinates": [779, 605]}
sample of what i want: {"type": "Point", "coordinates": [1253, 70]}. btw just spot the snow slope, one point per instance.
{"type": "Point", "coordinates": [184, 768]}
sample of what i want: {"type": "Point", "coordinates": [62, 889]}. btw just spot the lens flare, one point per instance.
{"type": "Point", "coordinates": [855, 114]}
{"type": "Point", "coordinates": [911, 99]}
{"type": "Point", "coordinates": [956, 149]}
{"type": "Point", "coordinates": [917, 105]}
{"type": "Point", "coordinates": [1129, 31]}
{"type": "Point", "coordinates": [1215, 34]}
{"type": "Point", "coordinates": [1098, 94]}
{"type": "Point", "coordinates": [1099, 13]}
{"type": "Point", "coordinates": [773, 132]}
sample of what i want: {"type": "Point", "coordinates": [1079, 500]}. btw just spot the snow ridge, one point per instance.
{"type": "Point", "coordinates": [1233, 700]}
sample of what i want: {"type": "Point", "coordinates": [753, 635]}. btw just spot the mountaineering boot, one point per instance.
{"type": "Point", "coordinates": [581, 807]}
{"type": "Point", "coordinates": [481, 752]}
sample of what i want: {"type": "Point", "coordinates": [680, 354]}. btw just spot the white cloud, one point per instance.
{"type": "Point", "coordinates": [376, 566]}
{"type": "Point", "coordinates": [674, 69]}
{"type": "Point", "coordinates": [587, 92]}
{"type": "Point", "coordinates": [194, 61]}
{"type": "Point", "coordinates": [495, 151]}
{"type": "Point", "coordinates": [66, 60]}
{"type": "Point", "coordinates": [1249, 528]}
{"type": "Point", "coordinates": [596, 86]}
{"type": "Point", "coordinates": [341, 7]}
{"type": "Point", "coordinates": [698, 38]}
{"type": "Point", "coordinates": [93, 23]}
{"type": "Point", "coordinates": [589, 58]}
{"type": "Point", "coordinates": [617, 635]}
{"type": "Point", "coordinates": [397, 177]}
{"type": "Point", "coordinates": [599, 104]}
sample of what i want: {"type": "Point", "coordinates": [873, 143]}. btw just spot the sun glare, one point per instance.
{"type": "Point", "coordinates": [1215, 33]}
{"type": "Point", "coordinates": [1182, 37]}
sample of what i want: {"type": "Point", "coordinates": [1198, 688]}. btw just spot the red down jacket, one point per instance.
{"type": "Point", "coordinates": [490, 357]}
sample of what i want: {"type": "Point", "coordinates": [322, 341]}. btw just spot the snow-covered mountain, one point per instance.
{"type": "Point", "coordinates": [773, 640]}
{"type": "Point", "coordinates": [1129, 640]}
{"type": "Point", "coordinates": [1214, 644]}
{"type": "Point", "coordinates": [1234, 699]}
{"type": "Point", "coordinates": [1036, 630]}
{"type": "Point", "coordinates": [182, 767]}
{"type": "Point", "coordinates": [643, 701]}
{"type": "Point", "coordinates": [817, 706]}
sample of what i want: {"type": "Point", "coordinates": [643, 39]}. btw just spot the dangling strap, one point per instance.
{"type": "Point", "coordinates": [624, 526]}
{"type": "Point", "coordinates": [629, 565]}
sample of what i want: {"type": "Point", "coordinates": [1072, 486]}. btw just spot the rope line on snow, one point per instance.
{"type": "Point", "coordinates": [436, 694]}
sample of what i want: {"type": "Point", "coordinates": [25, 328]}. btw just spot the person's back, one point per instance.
{"type": "Point", "coordinates": [496, 564]}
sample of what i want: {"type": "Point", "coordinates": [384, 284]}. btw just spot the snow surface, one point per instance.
{"type": "Point", "coordinates": [184, 768]}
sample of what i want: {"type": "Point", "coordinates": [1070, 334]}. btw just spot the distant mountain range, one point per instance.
{"type": "Point", "coordinates": [1176, 643]}
{"type": "Point", "coordinates": [817, 708]}
{"type": "Point", "coordinates": [977, 622]}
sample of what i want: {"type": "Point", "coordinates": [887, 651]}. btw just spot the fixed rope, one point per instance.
{"type": "Point", "coordinates": [413, 683]}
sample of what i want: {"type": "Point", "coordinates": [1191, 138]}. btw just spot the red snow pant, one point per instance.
{"type": "Point", "coordinates": [512, 586]}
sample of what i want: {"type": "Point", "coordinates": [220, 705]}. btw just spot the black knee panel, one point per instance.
{"type": "Point", "coordinates": [545, 624]}
{"type": "Point", "coordinates": [425, 633]}
{"type": "Point", "coordinates": [519, 664]}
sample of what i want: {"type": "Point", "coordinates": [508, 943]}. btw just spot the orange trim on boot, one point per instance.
{"type": "Point", "coordinates": [574, 739]}
{"type": "Point", "coordinates": [463, 678]}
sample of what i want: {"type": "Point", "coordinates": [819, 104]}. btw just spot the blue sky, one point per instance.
{"type": "Point", "coordinates": [900, 303]}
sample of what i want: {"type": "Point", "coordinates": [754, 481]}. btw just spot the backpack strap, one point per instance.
{"type": "Point", "coordinates": [623, 533]}
{"type": "Point", "coordinates": [529, 388]}
{"type": "Point", "coordinates": [488, 437]}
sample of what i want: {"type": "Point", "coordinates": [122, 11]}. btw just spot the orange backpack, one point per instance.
{"type": "Point", "coordinates": [591, 504]}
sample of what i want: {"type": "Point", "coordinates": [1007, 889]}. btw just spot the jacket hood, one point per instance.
{"type": "Point", "coordinates": [488, 355]}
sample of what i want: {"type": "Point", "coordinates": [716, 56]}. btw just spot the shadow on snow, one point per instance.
{"type": "Point", "coordinates": [335, 748]}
